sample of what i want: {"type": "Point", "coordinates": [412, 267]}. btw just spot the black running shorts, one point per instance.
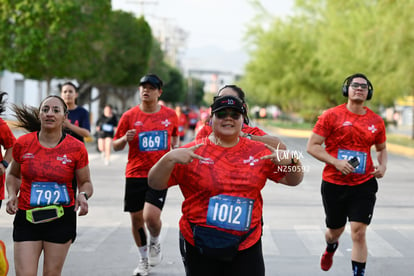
{"type": "Point", "coordinates": [137, 192]}
{"type": "Point", "coordinates": [342, 202]}
{"type": "Point", "coordinates": [60, 230]}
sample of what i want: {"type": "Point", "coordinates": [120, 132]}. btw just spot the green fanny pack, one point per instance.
{"type": "Point", "coordinates": [44, 214]}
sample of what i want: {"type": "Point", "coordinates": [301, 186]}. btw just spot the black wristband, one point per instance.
{"type": "Point", "coordinates": [85, 194]}
{"type": "Point", "coordinates": [5, 163]}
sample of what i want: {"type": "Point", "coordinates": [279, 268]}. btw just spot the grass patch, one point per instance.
{"type": "Point", "coordinates": [285, 124]}
{"type": "Point", "coordinates": [402, 140]}
{"type": "Point", "coordinates": [393, 138]}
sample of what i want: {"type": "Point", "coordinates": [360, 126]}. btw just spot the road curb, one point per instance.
{"type": "Point", "coordinates": [297, 133]}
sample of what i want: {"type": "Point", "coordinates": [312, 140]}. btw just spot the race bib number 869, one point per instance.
{"type": "Point", "coordinates": [153, 140]}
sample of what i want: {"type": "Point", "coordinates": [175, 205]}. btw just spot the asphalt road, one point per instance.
{"type": "Point", "coordinates": [293, 238]}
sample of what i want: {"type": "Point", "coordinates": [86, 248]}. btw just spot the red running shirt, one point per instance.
{"type": "Point", "coordinates": [349, 134]}
{"type": "Point", "coordinates": [7, 140]}
{"type": "Point", "coordinates": [236, 171]}
{"type": "Point", "coordinates": [153, 138]}
{"type": "Point", "coordinates": [40, 164]}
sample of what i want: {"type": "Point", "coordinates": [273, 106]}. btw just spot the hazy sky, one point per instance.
{"type": "Point", "coordinates": [209, 23]}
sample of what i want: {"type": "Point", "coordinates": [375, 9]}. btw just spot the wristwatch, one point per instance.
{"type": "Point", "coordinates": [85, 194]}
{"type": "Point", "coordinates": [5, 163]}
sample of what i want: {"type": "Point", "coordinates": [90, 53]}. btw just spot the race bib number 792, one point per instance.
{"type": "Point", "coordinates": [48, 193]}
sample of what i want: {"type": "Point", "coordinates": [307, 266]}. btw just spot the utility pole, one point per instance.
{"type": "Point", "coordinates": [142, 3]}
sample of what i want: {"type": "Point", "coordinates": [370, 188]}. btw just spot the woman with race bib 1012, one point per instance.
{"type": "Point", "coordinates": [221, 178]}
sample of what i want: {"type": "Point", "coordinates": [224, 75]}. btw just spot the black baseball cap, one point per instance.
{"type": "Point", "coordinates": [152, 79]}
{"type": "Point", "coordinates": [228, 102]}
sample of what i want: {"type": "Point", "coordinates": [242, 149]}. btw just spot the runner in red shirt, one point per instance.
{"type": "Point", "coordinates": [221, 180]}
{"type": "Point", "coordinates": [150, 130]}
{"type": "Point", "coordinates": [182, 123]}
{"type": "Point", "coordinates": [253, 133]}
{"type": "Point", "coordinates": [349, 184]}
{"type": "Point", "coordinates": [39, 185]}
{"type": "Point", "coordinates": [7, 141]}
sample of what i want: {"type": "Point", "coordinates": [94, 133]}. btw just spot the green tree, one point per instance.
{"type": "Point", "coordinates": [299, 62]}
{"type": "Point", "coordinates": [126, 50]}
{"type": "Point", "coordinates": [47, 39]}
{"type": "Point", "coordinates": [174, 88]}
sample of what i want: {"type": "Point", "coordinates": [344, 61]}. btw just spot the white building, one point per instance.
{"type": "Point", "coordinates": [31, 92]}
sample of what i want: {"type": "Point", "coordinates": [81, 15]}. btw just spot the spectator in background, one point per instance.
{"type": "Point", "coordinates": [77, 123]}
{"type": "Point", "coordinates": [193, 118]}
{"type": "Point", "coordinates": [106, 127]}
{"type": "Point", "coordinates": [204, 121]}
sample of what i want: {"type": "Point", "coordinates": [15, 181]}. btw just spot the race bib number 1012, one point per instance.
{"type": "Point", "coordinates": [230, 212]}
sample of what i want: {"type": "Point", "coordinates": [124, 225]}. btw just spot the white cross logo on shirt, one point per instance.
{"type": "Point", "coordinates": [372, 128]}
{"type": "Point", "coordinates": [166, 123]}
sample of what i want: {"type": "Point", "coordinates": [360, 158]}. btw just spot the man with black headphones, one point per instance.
{"type": "Point", "coordinates": [349, 182]}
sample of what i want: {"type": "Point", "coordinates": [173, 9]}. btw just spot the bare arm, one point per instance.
{"type": "Point", "coordinates": [175, 142]}
{"type": "Point", "coordinates": [160, 173]}
{"type": "Point", "coordinates": [119, 144]}
{"type": "Point", "coordinates": [84, 185]}
{"type": "Point", "coordinates": [382, 157]}
{"type": "Point", "coordinates": [270, 140]}
{"type": "Point", "coordinates": [13, 182]}
{"type": "Point", "coordinates": [316, 149]}
{"type": "Point", "coordinates": [294, 176]}
{"type": "Point", "coordinates": [78, 130]}
{"type": "Point", "coordinates": [7, 157]}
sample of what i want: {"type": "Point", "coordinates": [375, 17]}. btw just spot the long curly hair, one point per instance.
{"type": "Point", "coordinates": [28, 116]}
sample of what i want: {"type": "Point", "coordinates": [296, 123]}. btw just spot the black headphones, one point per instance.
{"type": "Point", "coordinates": [348, 80]}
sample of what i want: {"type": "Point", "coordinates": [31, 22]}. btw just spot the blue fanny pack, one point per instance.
{"type": "Point", "coordinates": [217, 244]}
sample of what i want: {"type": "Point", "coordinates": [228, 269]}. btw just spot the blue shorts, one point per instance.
{"type": "Point", "coordinates": [137, 192]}
{"type": "Point", "coordinates": [60, 230]}
{"type": "Point", "coordinates": [342, 202]}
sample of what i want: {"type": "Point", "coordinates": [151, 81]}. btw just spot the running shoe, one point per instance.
{"type": "Point", "coordinates": [327, 260]}
{"type": "Point", "coordinates": [142, 268]}
{"type": "Point", "coordinates": [4, 264]}
{"type": "Point", "coordinates": [155, 255]}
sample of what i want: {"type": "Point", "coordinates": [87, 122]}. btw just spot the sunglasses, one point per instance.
{"type": "Point", "coordinates": [221, 114]}
{"type": "Point", "coordinates": [355, 85]}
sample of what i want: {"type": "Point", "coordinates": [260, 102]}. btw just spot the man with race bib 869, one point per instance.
{"type": "Point", "coordinates": [150, 130]}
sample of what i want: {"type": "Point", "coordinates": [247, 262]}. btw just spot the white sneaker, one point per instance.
{"type": "Point", "coordinates": [155, 255]}
{"type": "Point", "coordinates": [142, 268]}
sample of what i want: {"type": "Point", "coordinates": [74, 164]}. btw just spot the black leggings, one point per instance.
{"type": "Point", "coordinates": [246, 263]}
